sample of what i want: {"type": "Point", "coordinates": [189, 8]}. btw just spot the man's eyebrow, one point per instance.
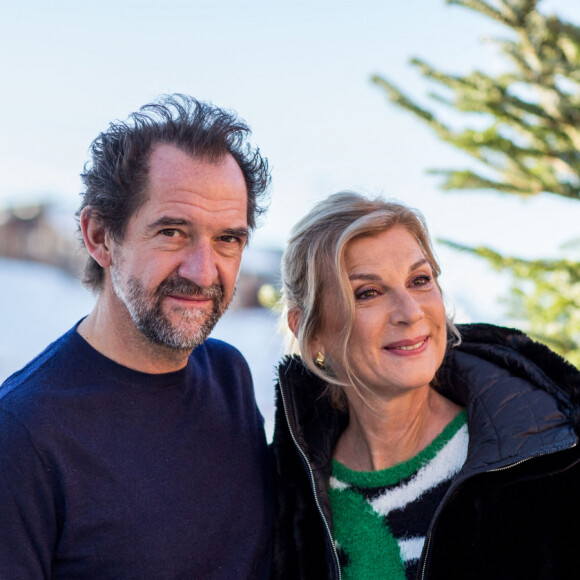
{"type": "Point", "coordinates": [239, 232]}
{"type": "Point", "coordinates": [168, 221]}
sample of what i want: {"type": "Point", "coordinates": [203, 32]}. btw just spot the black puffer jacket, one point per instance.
{"type": "Point", "coordinates": [513, 511]}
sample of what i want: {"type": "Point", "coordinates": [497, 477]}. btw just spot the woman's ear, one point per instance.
{"type": "Point", "coordinates": [294, 316]}
{"type": "Point", "coordinates": [97, 240]}
{"type": "Point", "coordinates": [317, 349]}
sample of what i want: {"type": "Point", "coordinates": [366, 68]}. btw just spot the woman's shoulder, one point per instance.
{"type": "Point", "coordinates": [513, 349]}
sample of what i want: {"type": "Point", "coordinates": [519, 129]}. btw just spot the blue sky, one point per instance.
{"type": "Point", "coordinates": [298, 72]}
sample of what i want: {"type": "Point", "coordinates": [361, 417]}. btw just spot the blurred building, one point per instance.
{"type": "Point", "coordinates": [38, 233]}
{"type": "Point", "coordinates": [46, 234]}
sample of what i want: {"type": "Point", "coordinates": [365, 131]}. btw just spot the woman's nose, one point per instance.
{"type": "Point", "coordinates": [406, 309]}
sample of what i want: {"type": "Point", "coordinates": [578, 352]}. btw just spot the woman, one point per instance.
{"type": "Point", "coordinates": [406, 447]}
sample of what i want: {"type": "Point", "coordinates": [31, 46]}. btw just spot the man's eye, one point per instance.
{"type": "Point", "coordinates": [169, 233]}
{"type": "Point", "coordinates": [230, 239]}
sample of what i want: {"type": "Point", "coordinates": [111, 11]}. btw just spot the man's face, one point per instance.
{"type": "Point", "coordinates": [175, 271]}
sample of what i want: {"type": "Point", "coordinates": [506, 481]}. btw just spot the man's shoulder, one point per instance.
{"type": "Point", "coordinates": [47, 367]}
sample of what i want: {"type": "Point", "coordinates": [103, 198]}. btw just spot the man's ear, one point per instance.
{"type": "Point", "coordinates": [97, 240]}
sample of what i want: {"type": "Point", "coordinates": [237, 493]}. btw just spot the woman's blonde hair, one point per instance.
{"type": "Point", "coordinates": [313, 264]}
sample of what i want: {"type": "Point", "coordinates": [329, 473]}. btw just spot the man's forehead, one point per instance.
{"type": "Point", "coordinates": [180, 186]}
{"type": "Point", "coordinates": [166, 156]}
{"type": "Point", "coordinates": [171, 169]}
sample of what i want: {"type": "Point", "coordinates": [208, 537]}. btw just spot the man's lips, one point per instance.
{"type": "Point", "coordinates": [190, 299]}
{"type": "Point", "coordinates": [409, 345]}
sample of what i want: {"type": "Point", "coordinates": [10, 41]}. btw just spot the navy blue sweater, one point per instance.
{"type": "Point", "coordinates": [106, 472]}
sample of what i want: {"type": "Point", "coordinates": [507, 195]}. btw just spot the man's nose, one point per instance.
{"type": "Point", "coordinates": [199, 265]}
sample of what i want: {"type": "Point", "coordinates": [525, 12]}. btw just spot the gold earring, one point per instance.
{"type": "Point", "coordinates": [319, 361]}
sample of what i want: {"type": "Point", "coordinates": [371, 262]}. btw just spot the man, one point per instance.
{"type": "Point", "coordinates": [132, 447]}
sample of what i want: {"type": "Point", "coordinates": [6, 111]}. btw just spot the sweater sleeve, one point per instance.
{"type": "Point", "coordinates": [28, 526]}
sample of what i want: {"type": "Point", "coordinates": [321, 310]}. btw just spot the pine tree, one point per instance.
{"type": "Point", "coordinates": [528, 144]}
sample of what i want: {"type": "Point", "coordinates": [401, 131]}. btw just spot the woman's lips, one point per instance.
{"type": "Point", "coordinates": [408, 346]}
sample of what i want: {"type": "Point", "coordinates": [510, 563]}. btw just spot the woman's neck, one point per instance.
{"type": "Point", "coordinates": [382, 433]}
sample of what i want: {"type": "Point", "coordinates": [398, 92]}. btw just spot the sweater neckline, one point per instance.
{"type": "Point", "coordinates": [394, 474]}
{"type": "Point", "coordinates": [122, 372]}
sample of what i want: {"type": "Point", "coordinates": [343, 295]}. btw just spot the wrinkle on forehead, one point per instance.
{"type": "Point", "coordinates": [181, 185]}
{"type": "Point", "coordinates": [167, 163]}
{"type": "Point", "coordinates": [363, 252]}
{"type": "Point", "coordinates": [184, 201]}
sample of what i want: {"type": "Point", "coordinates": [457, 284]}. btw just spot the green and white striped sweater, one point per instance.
{"type": "Point", "coordinates": [381, 518]}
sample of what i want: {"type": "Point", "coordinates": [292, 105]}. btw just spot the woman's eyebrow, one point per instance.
{"type": "Point", "coordinates": [418, 264]}
{"type": "Point", "coordinates": [377, 278]}
{"type": "Point", "coordinates": [363, 276]}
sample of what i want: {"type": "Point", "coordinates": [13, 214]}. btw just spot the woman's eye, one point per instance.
{"type": "Point", "coordinates": [367, 293]}
{"type": "Point", "coordinates": [422, 280]}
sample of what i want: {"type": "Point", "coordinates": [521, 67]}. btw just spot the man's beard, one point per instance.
{"type": "Point", "coordinates": [146, 310]}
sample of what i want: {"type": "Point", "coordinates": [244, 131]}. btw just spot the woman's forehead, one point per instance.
{"type": "Point", "coordinates": [391, 245]}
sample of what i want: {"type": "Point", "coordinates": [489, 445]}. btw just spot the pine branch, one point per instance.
{"type": "Point", "coordinates": [483, 8]}
{"type": "Point", "coordinates": [466, 179]}
{"type": "Point", "coordinates": [397, 97]}
{"type": "Point", "coordinates": [500, 262]}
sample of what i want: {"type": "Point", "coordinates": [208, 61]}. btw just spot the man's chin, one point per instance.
{"type": "Point", "coordinates": [187, 336]}
{"type": "Point", "coordinates": [178, 343]}
{"type": "Point", "coordinates": [186, 328]}
{"type": "Point", "coordinates": [180, 313]}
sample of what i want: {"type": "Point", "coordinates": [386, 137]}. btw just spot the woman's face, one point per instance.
{"type": "Point", "coordinates": [399, 335]}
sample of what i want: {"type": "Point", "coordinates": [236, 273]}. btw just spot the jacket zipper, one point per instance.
{"type": "Point", "coordinates": [311, 475]}
{"type": "Point", "coordinates": [503, 468]}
